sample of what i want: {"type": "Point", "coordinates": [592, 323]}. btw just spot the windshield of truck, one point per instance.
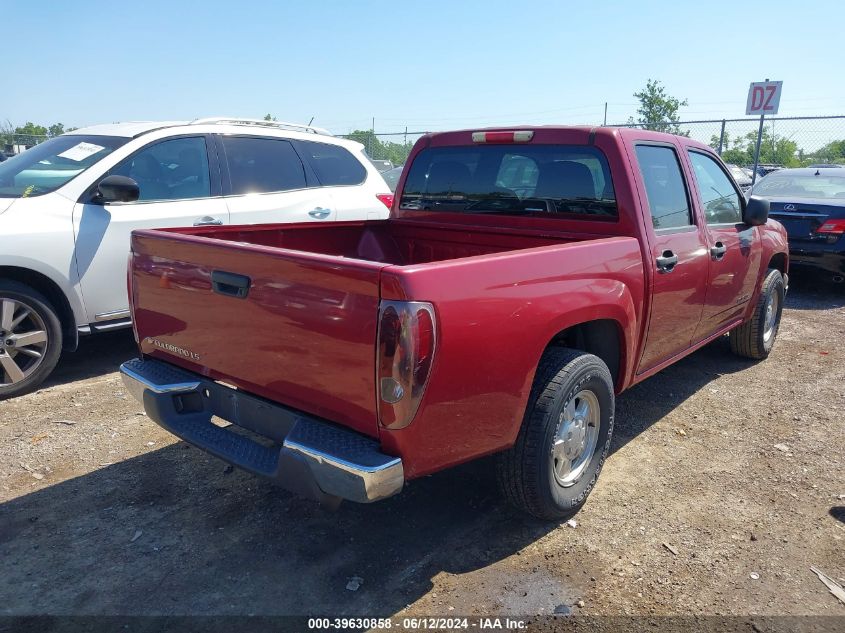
{"type": "Point", "coordinates": [49, 165]}
{"type": "Point", "coordinates": [511, 180]}
{"type": "Point", "coordinates": [803, 184]}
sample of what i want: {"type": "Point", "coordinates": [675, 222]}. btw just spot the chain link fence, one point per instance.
{"type": "Point", "coordinates": [786, 141]}
{"type": "Point", "coordinates": [12, 143]}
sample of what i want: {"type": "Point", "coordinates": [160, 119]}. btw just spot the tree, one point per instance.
{"type": "Point", "coordinates": [396, 153]}
{"type": "Point", "coordinates": [726, 141]}
{"type": "Point", "coordinates": [30, 134]}
{"type": "Point", "coordinates": [774, 150]}
{"type": "Point", "coordinates": [269, 117]}
{"type": "Point", "coordinates": [833, 152]}
{"type": "Point", "coordinates": [658, 111]}
{"type": "Point", "coordinates": [7, 134]}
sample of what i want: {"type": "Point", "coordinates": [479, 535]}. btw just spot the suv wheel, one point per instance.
{"type": "Point", "coordinates": [30, 338]}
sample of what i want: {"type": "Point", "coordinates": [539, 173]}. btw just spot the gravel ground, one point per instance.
{"type": "Point", "coordinates": [725, 484]}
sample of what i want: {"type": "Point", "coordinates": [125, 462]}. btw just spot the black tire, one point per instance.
{"type": "Point", "coordinates": [43, 318]}
{"type": "Point", "coordinates": [753, 339]}
{"type": "Point", "coordinates": [526, 472]}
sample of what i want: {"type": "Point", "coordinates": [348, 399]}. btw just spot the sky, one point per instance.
{"type": "Point", "coordinates": [429, 65]}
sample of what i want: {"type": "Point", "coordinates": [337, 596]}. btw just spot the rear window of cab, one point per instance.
{"type": "Point", "coordinates": [534, 180]}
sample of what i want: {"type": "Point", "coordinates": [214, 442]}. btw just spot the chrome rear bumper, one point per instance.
{"type": "Point", "coordinates": [309, 456]}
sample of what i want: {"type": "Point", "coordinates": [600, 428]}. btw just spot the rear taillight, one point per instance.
{"type": "Point", "coordinates": [836, 227]}
{"type": "Point", "coordinates": [406, 342]}
{"type": "Point", "coordinates": [514, 136]}
{"type": "Point", "coordinates": [832, 230]}
{"type": "Point", "coordinates": [386, 198]}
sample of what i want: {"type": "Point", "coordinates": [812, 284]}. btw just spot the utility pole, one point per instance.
{"type": "Point", "coordinates": [605, 114]}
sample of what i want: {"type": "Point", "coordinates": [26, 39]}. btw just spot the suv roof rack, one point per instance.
{"type": "Point", "coordinates": [282, 125]}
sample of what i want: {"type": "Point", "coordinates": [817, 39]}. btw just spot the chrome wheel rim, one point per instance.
{"type": "Point", "coordinates": [576, 437]}
{"type": "Point", "coordinates": [770, 323]}
{"type": "Point", "coordinates": [23, 341]}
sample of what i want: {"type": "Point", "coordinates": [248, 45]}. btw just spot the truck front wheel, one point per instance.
{"type": "Point", "coordinates": [756, 337]}
{"type": "Point", "coordinates": [564, 438]}
{"type": "Point", "coordinates": [30, 338]}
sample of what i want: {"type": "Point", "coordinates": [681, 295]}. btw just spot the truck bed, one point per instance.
{"type": "Point", "coordinates": [304, 334]}
{"type": "Point", "coordinates": [395, 242]}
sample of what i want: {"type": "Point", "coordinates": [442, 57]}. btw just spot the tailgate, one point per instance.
{"type": "Point", "coordinates": [304, 334]}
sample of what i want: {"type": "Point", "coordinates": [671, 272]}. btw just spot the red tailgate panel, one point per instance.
{"type": "Point", "coordinates": [304, 336]}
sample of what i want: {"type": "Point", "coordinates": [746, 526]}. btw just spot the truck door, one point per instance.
{"type": "Point", "coordinates": [679, 256]}
{"type": "Point", "coordinates": [733, 247]}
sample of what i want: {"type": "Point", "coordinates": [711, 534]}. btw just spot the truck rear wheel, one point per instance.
{"type": "Point", "coordinates": [564, 438]}
{"type": "Point", "coordinates": [30, 339]}
{"type": "Point", "coordinates": [756, 337]}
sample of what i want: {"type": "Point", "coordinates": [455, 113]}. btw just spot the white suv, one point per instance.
{"type": "Point", "coordinates": [68, 206]}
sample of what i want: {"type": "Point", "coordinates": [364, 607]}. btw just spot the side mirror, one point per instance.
{"type": "Point", "coordinates": [756, 211]}
{"type": "Point", "coordinates": [117, 189]}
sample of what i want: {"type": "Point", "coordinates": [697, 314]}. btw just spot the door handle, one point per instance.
{"type": "Point", "coordinates": [666, 262]}
{"type": "Point", "coordinates": [320, 213]}
{"type": "Point", "coordinates": [718, 250]}
{"type": "Point", "coordinates": [207, 220]}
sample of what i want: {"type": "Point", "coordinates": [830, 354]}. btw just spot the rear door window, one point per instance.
{"type": "Point", "coordinates": [664, 185]}
{"type": "Point", "coordinates": [262, 165]}
{"type": "Point", "coordinates": [511, 180]}
{"type": "Point", "coordinates": [333, 165]}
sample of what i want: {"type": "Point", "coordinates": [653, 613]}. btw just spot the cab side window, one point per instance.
{"type": "Point", "coordinates": [176, 169]}
{"type": "Point", "coordinates": [665, 188]}
{"type": "Point", "coordinates": [719, 199]}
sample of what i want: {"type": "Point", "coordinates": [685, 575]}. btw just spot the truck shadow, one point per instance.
{"type": "Point", "coordinates": [649, 401]}
{"type": "Point", "coordinates": [642, 405]}
{"type": "Point", "coordinates": [809, 290]}
{"type": "Point", "coordinates": [171, 532]}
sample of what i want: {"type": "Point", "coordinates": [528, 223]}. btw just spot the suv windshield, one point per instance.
{"type": "Point", "coordinates": [511, 180]}
{"type": "Point", "coordinates": [798, 185]}
{"type": "Point", "coordinates": [48, 166]}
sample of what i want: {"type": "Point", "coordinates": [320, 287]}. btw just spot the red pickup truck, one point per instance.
{"type": "Point", "coordinates": [524, 278]}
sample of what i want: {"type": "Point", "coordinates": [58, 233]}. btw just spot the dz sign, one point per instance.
{"type": "Point", "coordinates": [763, 97]}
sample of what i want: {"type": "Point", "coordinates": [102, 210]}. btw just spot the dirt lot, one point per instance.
{"type": "Point", "coordinates": [725, 484]}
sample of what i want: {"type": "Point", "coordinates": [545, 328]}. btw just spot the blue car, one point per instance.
{"type": "Point", "coordinates": [810, 203]}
